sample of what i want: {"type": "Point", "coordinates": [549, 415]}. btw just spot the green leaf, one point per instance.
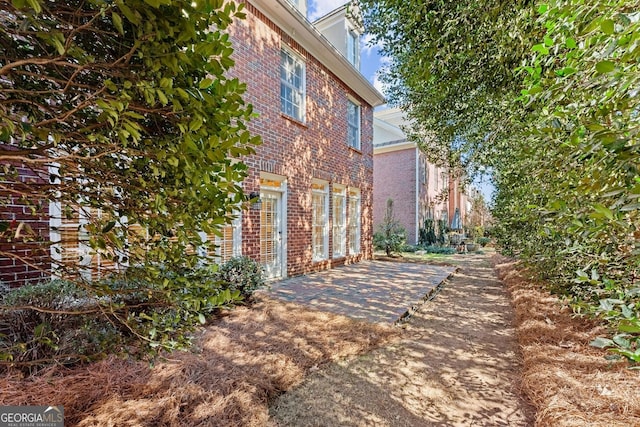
{"type": "Point", "coordinates": [629, 325]}
{"type": "Point", "coordinates": [162, 97]}
{"type": "Point", "coordinates": [607, 26]}
{"type": "Point", "coordinates": [540, 48]}
{"type": "Point", "coordinates": [205, 83]}
{"type": "Point", "coordinates": [19, 4]}
{"type": "Point", "coordinates": [117, 22]}
{"type": "Point", "coordinates": [571, 43]}
{"type": "Point", "coordinates": [128, 13]}
{"type": "Point", "coordinates": [202, 319]}
{"type": "Point", "coordinates": [109, 226]}
{"type": "Point", "coordinates": [604, 67]}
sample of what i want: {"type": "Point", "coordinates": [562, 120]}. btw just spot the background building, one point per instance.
{"type": "Point", "coordinates": [418, 188]}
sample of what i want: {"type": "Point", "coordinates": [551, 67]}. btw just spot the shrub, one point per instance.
{"type": "Point", "coordinates": [242, 274]}
{"type": "Point", "coordinates": [410, 248]}
{"type": "Point", "coordinates": [483, 241]}
{"type": "Point", "coordinates": [391, 236]}
{"type": "Point", "coordinates": [67, 326]}
{"type": "Point", "coordinates": [427, 233]}
{"type": "Point", "coordinates": [59, 321]}
{"type": "Point", "coordinates": [444, 250]}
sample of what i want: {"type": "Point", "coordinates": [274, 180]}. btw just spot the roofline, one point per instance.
{"type": "Point", "coordinates": [389, 126]}
{"type": "Point", "coordinates": [388, 147]}
{"type": "Point", "coordinates": [391, 112]}
{"type": "Point", "coordinates": [281, 12]}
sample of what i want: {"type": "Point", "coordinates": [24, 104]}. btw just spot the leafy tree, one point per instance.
{"type": "Point", "coordinates": [391, 236]}
{"type": "Point", "coordinates": [544, 94]}
{"type": "Point", "coordinates": [125, 111]}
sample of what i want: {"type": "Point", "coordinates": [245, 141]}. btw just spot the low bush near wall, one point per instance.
{"type": "Point", "coordinates": [242, 274]}
{"type": "Point", "coordinates": [64, 322]}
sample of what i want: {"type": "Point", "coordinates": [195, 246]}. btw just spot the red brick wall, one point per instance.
{"type": "Point", "coordinates": [298, 151]}
{"type": "Point", "coordinates": [395, 178]}
{"type": "Point", "coordinates": [24, 251]}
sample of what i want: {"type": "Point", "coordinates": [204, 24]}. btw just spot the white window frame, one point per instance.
{"type": "Point", "coordinates": [339, 215]}
{"type": "Point", "coordinates": [320, 194]}
{"type": "Point", "coordinates": [353, 47]}
{"type": "Point", "coordinates": [236, 240]}
{"type": "Point", "coordinates": [299, 91]}
{"type": "Point", "coordinates": [354, 221]}
{"type": "Point", "coordinates": [351, 126]}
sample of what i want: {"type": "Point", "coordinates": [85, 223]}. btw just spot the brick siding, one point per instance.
{"type": "Point", "coordinates": [395, 178]}
{"type": "Point", "coordinates": [300, 152]}
{"type": "Point", "coordinates": [24, 253]}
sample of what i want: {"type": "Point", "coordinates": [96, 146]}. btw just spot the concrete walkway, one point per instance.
{"type": "Point", "coordinates": [456, 364]}
{"type": "Point", "coordinates": [376, 291]}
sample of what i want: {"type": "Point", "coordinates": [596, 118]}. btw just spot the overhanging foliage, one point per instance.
{"type": "Point", "coordinates": [545, 94]}
{"type": "Point", "coordinates": [125, 111]}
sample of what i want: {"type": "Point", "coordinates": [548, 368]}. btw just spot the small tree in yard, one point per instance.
{"type": "Point", "coordinates": [391, 236]}
{"type": "Point", "coordinates": [125, 113]}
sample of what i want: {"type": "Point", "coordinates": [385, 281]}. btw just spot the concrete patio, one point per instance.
{"type": "Point", "coordinates": [375, 291]}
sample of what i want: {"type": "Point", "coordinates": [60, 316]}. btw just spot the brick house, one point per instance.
{"type": "Point", "coordinates": [418, 188]}
{"type": "Point", "coordinates": [313, 174]}
{"type": "Point", "coordinates": [314, 171]}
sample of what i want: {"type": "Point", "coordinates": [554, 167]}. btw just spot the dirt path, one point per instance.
{"type": "Point", "coordinates": [456, 364]}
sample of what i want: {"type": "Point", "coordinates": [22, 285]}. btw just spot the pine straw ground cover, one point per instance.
{"type": "Point", "coordinates": [241, 362]}
{"type": "Point", "coordinates": [569, 382]}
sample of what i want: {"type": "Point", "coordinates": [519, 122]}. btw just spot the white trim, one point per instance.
{"type": "Point", "coordinates": [402, 145]}
{"type": "Point", "coordinates": [303, 83]}
{"type": "Point", "coordinates": [357, 195]}
{"type": "Point", "coordinates": [284, 240]}
{"type": "Point", "coordinates": [324, 193]}
{"type": "Point", "coordinates": [341, 191]}
{"type": "Point", "coordinates": [358, 113]}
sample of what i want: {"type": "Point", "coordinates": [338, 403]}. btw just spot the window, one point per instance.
{"type": "Point", "coordinates": [320, 221]}
{"type": "Point", "coordinates": [71, 250]}
{"type": "Point", "coordinates": [353, 125]}
{"type": "Point", "coordinates": [292, 85]}
{"type": "Point", "coordinates": [227, 243]}
{"type": "Point", "coordinates": [354, 221]}
{"type": "Point", "coordinates": [339, 221]}
{"type": "Point", "coordinates": [353, 48]}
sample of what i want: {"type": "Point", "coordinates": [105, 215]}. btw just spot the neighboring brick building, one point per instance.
{"type": "Point", "coordinates": [314, 170]}
{"type": "Point", "coordinates": [419, 189]}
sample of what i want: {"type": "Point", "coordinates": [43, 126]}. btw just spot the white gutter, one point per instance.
{"type": "Point", "coordinates": [291, 21]}
{"type": "Point", "coordinates": [393, 147]}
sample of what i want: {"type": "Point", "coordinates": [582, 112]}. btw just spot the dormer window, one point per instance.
{"type": "Point", "coordinates": [353, 48]}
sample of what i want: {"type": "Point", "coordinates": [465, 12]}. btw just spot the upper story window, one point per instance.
{"type": "Point", "coordinates": [353, 124]}
{"type": "Point", "coordinates": [353, 48]}
{"type": "Point", "coordinates": [292, 85]}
